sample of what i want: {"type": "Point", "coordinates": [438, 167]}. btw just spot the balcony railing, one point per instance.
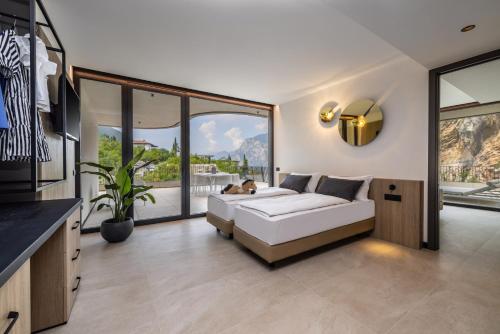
{"type": "Point", "coordinates": [469, 174]}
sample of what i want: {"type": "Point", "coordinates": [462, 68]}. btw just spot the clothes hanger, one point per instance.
{"type": "Point", "coordinates": [14, 26]}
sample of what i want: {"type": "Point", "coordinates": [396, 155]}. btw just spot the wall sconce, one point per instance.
{"type": "Point", "coordinates": [326, 114]}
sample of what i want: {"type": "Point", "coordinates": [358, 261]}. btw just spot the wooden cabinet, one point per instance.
{"type": "Point", "coordinates": [55, 276]}
{"type": "Point", "coordinates": [73, 258]}
{"type": "Point", "coordinates": [398, 211]}
{"type": "Point", "coordinates": [15, 302]}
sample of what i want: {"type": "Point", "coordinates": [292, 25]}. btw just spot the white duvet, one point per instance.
{"type": "Point", "coordinates": [261, 193]}
{"type": "Point", "coordinates": [289, 204]}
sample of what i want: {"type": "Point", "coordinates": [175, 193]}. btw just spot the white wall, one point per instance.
{"type": "Point", "coordinates": [303, 143]}
{"type": "Point", "coordinates": [89, 152]}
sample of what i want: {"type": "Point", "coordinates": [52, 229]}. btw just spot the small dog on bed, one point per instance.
{"type": "Point", "coordinates": [247, 187]}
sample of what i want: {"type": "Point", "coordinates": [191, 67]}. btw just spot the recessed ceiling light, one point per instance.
{"type": "Point", "coordinates": [468, 28]}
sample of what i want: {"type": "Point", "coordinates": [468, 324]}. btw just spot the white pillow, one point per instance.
{"type": "Point", "coordinates": [313, 181]}
{"type": "Point", "coordinates": [362, 194]}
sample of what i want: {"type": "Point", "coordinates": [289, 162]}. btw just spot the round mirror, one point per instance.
{"type": "Point", "coordinates": [361, 122]}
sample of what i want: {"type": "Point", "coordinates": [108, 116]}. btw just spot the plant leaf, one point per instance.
{"type": "Point", "coordinates": [102, 205]}
{"type": "Point", "coordinates": [142, 198]}
{"type": "Point", "coordinates": [93, 164]}
{"type": "Point", "coordinates": [138, 157]}
{"type": "Point", "coordinates": [95, 199]}
{"type": "Point", "coordinates": [123, 181]}
{"type": "Point", "coordinates": [97, 173]}
{"type": "Point", "coordinates": [144, 165]}
{"type": "Point", "coordinates": [151, 197]}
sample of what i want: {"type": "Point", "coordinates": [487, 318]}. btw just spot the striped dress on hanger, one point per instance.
{"type": "Point", "coordinates": [15, 142]}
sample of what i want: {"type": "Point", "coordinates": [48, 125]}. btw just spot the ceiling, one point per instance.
{"type": "Point", "coordinates": [267, 50]}
{"type": "Point", "coordinates": [478, 83]}
{"type": "Point", "coordinates": [429, 30]}
{"type": "Point", "coordinates": [150, 110]}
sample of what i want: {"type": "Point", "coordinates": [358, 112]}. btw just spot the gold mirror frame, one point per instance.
{"type": "Point", "coordinates": [361, 122]}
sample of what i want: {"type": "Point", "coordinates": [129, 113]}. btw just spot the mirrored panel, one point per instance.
{"type": "Point", "coordinates": [361, 122]}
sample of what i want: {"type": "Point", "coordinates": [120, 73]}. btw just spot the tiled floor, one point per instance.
{"type": "Point", "coordinates": [183, 278]}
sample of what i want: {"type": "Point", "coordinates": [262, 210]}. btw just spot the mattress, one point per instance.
{"type": "Point", "coordinates": [283, 228]}
{"type": "Point", "coordinates": [222, 208]}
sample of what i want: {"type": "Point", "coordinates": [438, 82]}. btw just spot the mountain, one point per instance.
{"type": "Point", "coordinates": [471, 141]}
{"type": "Point", "coordinates": [110, 132]}
{"type": "Point", "coordinates": [255, 149]}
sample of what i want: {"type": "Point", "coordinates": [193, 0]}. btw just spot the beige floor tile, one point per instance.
{"type": "Point", "coordinates": [302, 313]}
{"type": "Point", "coordinates": [182, 277]}
{"type": "Point", "coordinates": [454, 308]}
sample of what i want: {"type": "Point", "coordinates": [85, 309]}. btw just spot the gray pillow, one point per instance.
{"type": "Point", "coordinates": [343, 188]}
{"type": "Point", "coordinates": [296, 182]}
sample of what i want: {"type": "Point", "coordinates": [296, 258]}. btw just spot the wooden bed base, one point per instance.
{"type": "Point", "coordinates": [275, 253]}
{"type": "Point", "coordinates": [220, 224]}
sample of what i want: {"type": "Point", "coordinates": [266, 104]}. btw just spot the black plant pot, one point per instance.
{"type": "Point", "coordinates": [112, 231]}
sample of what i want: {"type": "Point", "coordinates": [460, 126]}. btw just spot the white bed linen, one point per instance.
{"type": "Point", "coordinates": [223, 205]}
{"type": "Point", "coordinates": [294, 203]}
{"type": "Point", "coordinates": [279, 229]}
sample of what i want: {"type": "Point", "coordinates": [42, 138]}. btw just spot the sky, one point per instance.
{"type": "Point", "coordinates": [210, 133]}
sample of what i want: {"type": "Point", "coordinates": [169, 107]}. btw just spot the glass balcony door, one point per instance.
{"type": "Point", "coordinates": [156, 120]}
{"type": "Point", "coordinates": [229, 143]}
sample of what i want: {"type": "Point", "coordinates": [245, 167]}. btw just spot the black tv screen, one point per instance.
{"type": "Point", "coordinates": [72, 111]}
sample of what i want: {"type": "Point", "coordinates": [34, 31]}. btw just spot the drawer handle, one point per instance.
{"type": "Point", "coordinates": [74, 258]}
{"type": "Point", "coordinates": [13, 316]}
{"type": "Point", "coordinates": [75, 225]}
{"type": "Point", "coordinates": [78, 278]}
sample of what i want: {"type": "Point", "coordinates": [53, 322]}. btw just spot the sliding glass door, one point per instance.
{"type": "Point", "coordinates": [157, 130]}
{"type": "Point", "coordinates": [199, 144]}
{"type": "Point", "coordinates": [101, 141]}
{"type": "Point", "coordinates": [228, 144]}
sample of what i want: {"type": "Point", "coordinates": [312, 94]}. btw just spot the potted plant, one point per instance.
{"type": "Point", "coordinates": [120, 195]}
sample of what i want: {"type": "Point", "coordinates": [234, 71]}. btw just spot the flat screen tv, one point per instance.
{"type": "Point", "coordinates": [72, 111]}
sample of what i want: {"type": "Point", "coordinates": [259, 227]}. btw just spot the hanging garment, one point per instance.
{"type": "Point", "coordinates": [15, 142]}
{"type": "Point", "coordinates": [4, 123]}
{"type": "Point", "coordinates": [44, 68]}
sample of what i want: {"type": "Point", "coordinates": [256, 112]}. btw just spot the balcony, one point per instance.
{"type": "Point", "coordinates": [471, 185]}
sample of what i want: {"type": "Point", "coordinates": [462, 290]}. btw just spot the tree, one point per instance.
{"type": "Point", "coordinates": [175, 147]}
{"type": "Point", "coordinates": [110, 151]}
{"type": "Point", "coordinates": [229, 157]}
{"type": "Point", "coordinates": [244, 167]}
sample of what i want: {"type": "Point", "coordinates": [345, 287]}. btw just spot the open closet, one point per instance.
{"type": "Point", "coordinates": [39, 111]}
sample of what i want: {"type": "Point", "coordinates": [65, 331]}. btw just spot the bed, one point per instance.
{"type": "Point", "coordinates": [221, 208]}
{"type": "Point", "coordinates": [314, 220]}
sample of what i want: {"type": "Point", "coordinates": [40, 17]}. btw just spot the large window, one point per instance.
{"type": "Point", "coordinates": [198, 144]}
{"type": "Point", "coordinates": [228, 143]}
{"type": "Point", "coordinates": [101, 133]}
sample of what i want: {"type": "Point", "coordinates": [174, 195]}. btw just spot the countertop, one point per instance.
{"type": "Point", "coordinates": [26, 226]}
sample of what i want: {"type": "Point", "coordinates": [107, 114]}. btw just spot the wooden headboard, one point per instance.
{"type": "Point", "coordinates": [398, 212]}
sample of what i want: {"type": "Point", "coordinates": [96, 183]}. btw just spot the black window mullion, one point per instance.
{"type": "Point", "coordinates": [185, 152]}
{"type": "Point", "coordinates": [127, 131]}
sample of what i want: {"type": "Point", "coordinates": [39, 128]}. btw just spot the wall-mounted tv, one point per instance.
{"type": "Point", "coordinates": [72, 111]}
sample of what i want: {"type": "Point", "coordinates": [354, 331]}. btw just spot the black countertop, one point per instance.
{"type": "Point", "coordinates": [25, 226]}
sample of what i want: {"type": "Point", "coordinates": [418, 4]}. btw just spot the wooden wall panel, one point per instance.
{"type": "Point", "coordinates": [398, 222]}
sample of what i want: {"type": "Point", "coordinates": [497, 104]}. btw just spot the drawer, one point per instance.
{"type": "Point", "coordinates": [74, 284]}
{"type": "Point", "coordinates": [15, 304]}
{"type": "Point", "coordinates": [73, 237]}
